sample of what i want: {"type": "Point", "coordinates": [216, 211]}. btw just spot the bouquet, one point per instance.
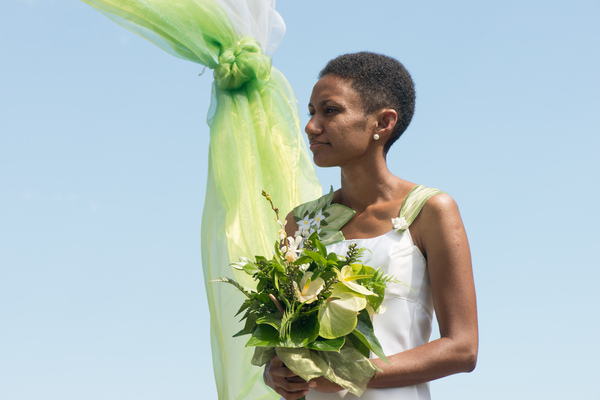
{"type": "Point", "coordinates": [313, 309]}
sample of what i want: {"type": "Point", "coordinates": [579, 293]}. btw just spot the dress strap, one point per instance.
{"type": "Point", "coordinates": [415, 200]}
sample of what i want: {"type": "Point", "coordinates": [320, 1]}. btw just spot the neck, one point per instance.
{"type": "Point", "coordinates": [364, 185]}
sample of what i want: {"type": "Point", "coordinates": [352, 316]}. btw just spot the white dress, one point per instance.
{"type": "Point", "coordinates": [406, 322]}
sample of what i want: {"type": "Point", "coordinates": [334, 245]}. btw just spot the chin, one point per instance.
{"type": "Point", "coordinates": [321, 163]}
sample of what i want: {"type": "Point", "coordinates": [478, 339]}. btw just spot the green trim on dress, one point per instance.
{"type": "Point", "coordinates": [337, 215]}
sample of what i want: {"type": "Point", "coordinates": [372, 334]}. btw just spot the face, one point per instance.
{"type": "Point", "coordinates": [339, 132]}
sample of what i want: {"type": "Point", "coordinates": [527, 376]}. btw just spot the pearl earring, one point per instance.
{"type": "Point", "coordinates": [376, 136]}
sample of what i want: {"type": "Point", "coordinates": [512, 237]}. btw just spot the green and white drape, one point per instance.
{"type": "Point", "coordinates": [255, 144]}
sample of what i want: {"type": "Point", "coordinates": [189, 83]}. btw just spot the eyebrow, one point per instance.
{"type": "Point", "coordinates": [321, 103]}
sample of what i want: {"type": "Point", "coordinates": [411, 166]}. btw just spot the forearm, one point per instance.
{"type": "Point", "coordinates": [433, 360]}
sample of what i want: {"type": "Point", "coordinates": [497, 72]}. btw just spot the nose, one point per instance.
{"type": "Point", "coordinates": [312, 127]}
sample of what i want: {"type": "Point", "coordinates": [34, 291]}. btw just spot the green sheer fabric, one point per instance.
{"type": "Point", "coordinates": [255, 144]}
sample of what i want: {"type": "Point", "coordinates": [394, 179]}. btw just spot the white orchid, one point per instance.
{"type": "Point", "coordinates": [282, 230]}
{"type": "Point", "coordinates": [293, 247]}
{"type": "Point", "coordinates": [309, 290]}
{"type": "Point", "coordinates": [400, 223]}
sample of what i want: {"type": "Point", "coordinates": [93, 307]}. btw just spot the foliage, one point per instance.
{"type": "Point", "coordinates": [312, 301]}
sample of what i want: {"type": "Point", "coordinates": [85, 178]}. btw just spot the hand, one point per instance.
{"type": "Point", "coordinates": [324, 385]}
{"type": "Point", "coordinates": [284, 382]}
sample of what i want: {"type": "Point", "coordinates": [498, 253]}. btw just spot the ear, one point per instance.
{"type": "Point", "coordinates": [386, 122]}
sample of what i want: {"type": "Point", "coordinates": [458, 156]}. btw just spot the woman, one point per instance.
{"type": "Point", "coordinates": [360, 106]}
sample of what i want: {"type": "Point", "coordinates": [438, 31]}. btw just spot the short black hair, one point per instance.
{"type": "Point", "coordinates": [381, 82]}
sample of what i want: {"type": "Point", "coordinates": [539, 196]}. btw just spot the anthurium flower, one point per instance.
{"type": "Point", "coordinates": [309, 289]}
{"type": "Point", "coordinates": [347, 277]}
{"type": "Point", "coordinates": [338, 316]}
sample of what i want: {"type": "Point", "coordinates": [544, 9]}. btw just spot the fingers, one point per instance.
{"type": "Point", "coordinates": [285, 382]}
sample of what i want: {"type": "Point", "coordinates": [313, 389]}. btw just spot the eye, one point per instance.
{"type": "Point", "coordinates": [330, 110]}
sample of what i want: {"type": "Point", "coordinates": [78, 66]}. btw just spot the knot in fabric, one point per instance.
{"type": "Point", "coordinates": [241, 63]}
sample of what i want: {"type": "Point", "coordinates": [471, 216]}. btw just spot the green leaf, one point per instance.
{"type": "Point", "coordinates": [327, 275]}
{"type": "Point", "coordinates": [364, 332]}
{"type": "Point", "coordinates": [310, 207]}
{"type": "Point", "coordinates": [318, 258]}
{"type": "Point", "coordinates": [359, 345]}
{"type": "Point", "coordinates": [302, 260]}
{"type": "Point", "coordinates": [304, 331]}
{"type": "Point", "coordinates": [232, 282]}
{"type": "Point", "coordinates": [244, 306]}
{"type": "Point", "coordinates": [248, 327]}
{"type": "Point", "coordinates": [327, 344]}
{"type": "Point", "coordinates": [338, 216]}
{"type": "Point", "coordinates": [265, 336]}
{"type": "Point", "coordinates": [263, 298]}
{"type": "Point", "coordinates": [321, 247]}
{"type": "Point", "coordinates": [251, 269]}
{"type": "Point", "coordinates": [375, 301]}
{"type": "Point", "coordinates": [270, 319]}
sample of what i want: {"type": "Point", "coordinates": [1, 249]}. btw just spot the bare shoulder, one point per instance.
{"type": "Point", "coordinates": [440, 205]}
{"type": "Point", "coordinates": [437, 211]}
{"type": "Point", "coordinates": [438, 222]}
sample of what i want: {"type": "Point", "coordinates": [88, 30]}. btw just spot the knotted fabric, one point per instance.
{"type": "Point", "coordinates": [242, 63]}
{"type": "Point", "coordinates": [255, 144]}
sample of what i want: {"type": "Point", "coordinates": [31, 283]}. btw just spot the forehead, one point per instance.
{"type": "Point", "coordinates": [332, 88]}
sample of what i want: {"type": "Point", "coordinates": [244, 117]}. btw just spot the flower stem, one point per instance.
{"type": "Point", "coordinates": [268, 197]}
{"type": "Point", "coordinates": [277, 303]}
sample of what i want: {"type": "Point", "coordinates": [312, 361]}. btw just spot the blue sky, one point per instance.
{"type": "Point", "coordinates": [103, 147]}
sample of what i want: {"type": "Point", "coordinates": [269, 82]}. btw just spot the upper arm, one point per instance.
{"type": "Point", "coordinates": [443, 239]}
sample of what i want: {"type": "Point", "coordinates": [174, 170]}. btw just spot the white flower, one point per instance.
{"type": "Point", "coordinates": [240, 264]}
{"type": "Point", "coordinates": [309, 289]}
{"type": "Point", "coordinates": [305, 223]}
{"type": "Point", "coordinates": [319, 218]}
{"type": "Point", "coordinates": [400, 223]}
{"type": "Point", "coordinates": [303, 267]}
{"type": "Point", "coordinates": [312, 230]}
{"type": "Point", "coordinates": [282, 230]}
{"type": "Point", "coordinates": [292, 248]}
{"type": "Point", "coordinates": [303, 232]}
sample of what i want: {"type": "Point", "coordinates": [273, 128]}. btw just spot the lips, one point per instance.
{"type": "Point", "coordinates": [315, 144]}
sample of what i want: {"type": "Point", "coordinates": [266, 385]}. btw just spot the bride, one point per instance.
{"type": "Point", "coordinates": [360, 106]}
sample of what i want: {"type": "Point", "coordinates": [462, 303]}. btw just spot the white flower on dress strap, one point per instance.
{"type": "Point", "coordinates": [400, 224]}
